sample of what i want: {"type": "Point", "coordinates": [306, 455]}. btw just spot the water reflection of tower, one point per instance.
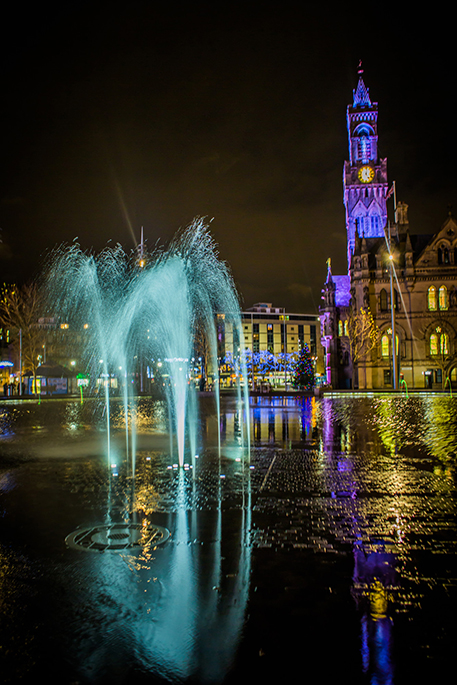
{"type": "Point", "coordinates": [257, 420]}
{"type": "Point", "coordinates": [271, 425]}
{"type": "Point", "coordinates": [285, 426]}
{"type": "Point", "coordinates": [373, 581]}
{"type": "Point", "coordinates": [308, 417]}
{"type": "Point", "coordinates": [328, 424]}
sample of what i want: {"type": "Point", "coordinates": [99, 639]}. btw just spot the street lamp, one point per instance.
{"type": "Point", "coordinates": [392, 314]}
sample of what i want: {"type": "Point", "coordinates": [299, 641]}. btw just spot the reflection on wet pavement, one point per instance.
{"type": "Point", "coordinates": [334, 537]}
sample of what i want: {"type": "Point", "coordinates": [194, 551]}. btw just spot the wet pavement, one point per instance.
{"type": "Point", "coordinates": [329, 549]}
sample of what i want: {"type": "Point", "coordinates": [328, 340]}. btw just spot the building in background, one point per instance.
{"type": "Point", "coordinates": [273, 329]}
{"type": "Point", "coordinates": [391, 321]}
{"type": "Point", "coordinates": [271, 341]}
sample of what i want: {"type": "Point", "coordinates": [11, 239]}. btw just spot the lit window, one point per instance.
{"type": "Point", "coordinates": [340, 328]}
{"type": "Point", "coordinates": [346, 328]}
{"type": "Point", "coordinates": [64, 325]}
{"type": "Point", "coordinates": [431, 298]}
{"type": "Point", "coordinates": [386, 344]}
{"type": "Point", "coordinates": [444, 343]}
{"type": "Point", "coordinates": [364, 147]}
{"type": "Point", "coordinates": [434, 344]}
{"type": "Point", "coordinates": [443, 298]}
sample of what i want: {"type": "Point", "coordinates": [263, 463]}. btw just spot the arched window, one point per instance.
{"type": "Point", "coordinates": [444, 344]}
{"type": "Point", "coordinates": [386, 349]}
{"type": "Point", "coordinates": [383, 301]}
{"type": "Point", "coordinates": [443, 298]}
{"type": "Point", "coordinates": [362, 135]}
{"type": "Point", "coordinates": [439, 342]}
{"type": "Point", "coordinates": [434, 344]}
{"type": "Point", "coordinates": [443, 255]}
{"type": "Point", "coordinates": [431, 298]}
{"type": "Point", "coordinates": [340, 328]}
{"type": "Point", "coordinates": [346, 327]}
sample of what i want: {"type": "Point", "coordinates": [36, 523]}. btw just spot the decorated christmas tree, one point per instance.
{"type": "Point", "coordinates": [303, 372]}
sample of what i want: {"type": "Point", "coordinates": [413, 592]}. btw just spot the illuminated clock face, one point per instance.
{"type": "Point", "coordinates": [366, 174]}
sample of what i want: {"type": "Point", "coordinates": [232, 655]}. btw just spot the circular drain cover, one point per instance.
{"type": "Point", "coordinates": [117, 537]}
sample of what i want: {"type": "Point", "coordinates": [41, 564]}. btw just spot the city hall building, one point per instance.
{"type": "Point", "coordinates": [391, 321]}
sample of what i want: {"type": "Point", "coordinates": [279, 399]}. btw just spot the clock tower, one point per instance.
{"type": "Point", "coordinates": [365, 174]}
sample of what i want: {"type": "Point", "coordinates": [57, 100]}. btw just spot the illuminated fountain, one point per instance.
{"type": "Point", "coordinates": [132, 314]}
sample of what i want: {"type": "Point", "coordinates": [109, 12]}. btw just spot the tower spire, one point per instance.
{"type": "Point", "coordinates": [361, 95]}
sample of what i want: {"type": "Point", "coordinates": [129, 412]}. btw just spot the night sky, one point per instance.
{"type": "Point", "coordinates": [116, 116]}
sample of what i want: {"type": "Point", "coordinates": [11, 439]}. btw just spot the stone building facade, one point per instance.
{"type": "Point", "coordinates": [404, 283]}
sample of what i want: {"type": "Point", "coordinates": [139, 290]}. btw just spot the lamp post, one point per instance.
{"type": "Point", "coordinates": [392, 302]}
{"type": "Point", "coordinates": [285, 348]}
{"type": "Point", "coordinates": [20, 361]}
{"type": "Point", "coordinates": [252, 352]}
{"type": "Point", "coordinates": [392, 313]}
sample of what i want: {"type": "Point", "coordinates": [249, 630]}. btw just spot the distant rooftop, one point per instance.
{"type": "Point", "coordinates": [266, 308]}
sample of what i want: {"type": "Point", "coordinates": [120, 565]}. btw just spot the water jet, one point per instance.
{"type": "Point", "coordinates": [129, 317]}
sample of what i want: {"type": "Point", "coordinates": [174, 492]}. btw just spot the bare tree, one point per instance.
{"type": "Point", "coordinates": [363, 335]}
{"type": "Point", "coordinates": [20, 310]}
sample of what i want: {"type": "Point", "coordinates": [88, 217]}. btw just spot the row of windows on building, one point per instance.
{"type": "Point", "coordinates": [438, 341]}
{"type": "Point", "coordinates": [296, 337]}
{"type": "Point", "coordinates": [368, 225]}
{"type": "Point", "coordinates": [437, 298]}
{"type": "Point", "coordinates": [343, 328]}
{"type": "Point", "coordinates": [441, 301]}
{"type": "Point", "coordinates": [270, 341]}
{"type": "Point", "coordinates": [431, 375]}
